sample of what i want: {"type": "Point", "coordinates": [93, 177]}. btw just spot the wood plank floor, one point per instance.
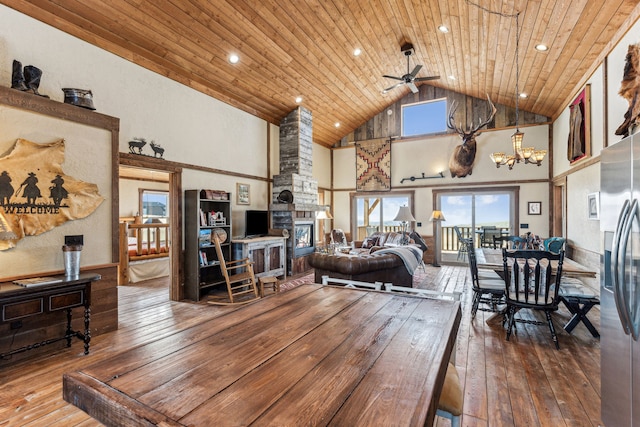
{"type": "Point", "coordinates": [523, 382]}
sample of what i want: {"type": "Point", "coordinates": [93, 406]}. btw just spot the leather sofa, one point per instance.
{"type": "Point", "coordinates": [374, 267]}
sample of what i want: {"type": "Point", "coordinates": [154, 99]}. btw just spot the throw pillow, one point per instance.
{"type": "Point", "coordinates": [370, 242]}
{"type": "Point", "coordinates": [418, 240]}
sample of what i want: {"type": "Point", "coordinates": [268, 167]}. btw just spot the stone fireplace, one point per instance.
{"type": "Point", "coordinates": [297, 211]}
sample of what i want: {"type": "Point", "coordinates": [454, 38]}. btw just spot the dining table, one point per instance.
{"type": "Point", "coordinates": [492, 259]}
{"type": "Point", "coordinates": [314, 355]}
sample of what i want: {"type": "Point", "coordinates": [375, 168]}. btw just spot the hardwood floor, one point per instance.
{"type": "Point", "coordinates": [522, 382]}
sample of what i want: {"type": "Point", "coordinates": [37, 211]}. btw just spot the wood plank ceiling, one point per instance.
{"type": "Point", "coordinates": [305, 48]}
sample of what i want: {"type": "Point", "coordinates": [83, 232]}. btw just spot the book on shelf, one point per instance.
{"type": "Point", "coordinates": [203, 258]}
{"type": "Point", "coordinates": [204, 238]}
{"type": "Point", "coordinates": [203, 218]}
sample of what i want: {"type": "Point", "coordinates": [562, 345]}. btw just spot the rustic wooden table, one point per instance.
{"type": "Point", "coordinates": [315, 355]}
{"type": "Point", "coordinates": [492, 258]}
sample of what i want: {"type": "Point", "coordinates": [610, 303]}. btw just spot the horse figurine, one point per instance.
{"type": "Point", "coordinates": [137, 143]}
{"type": "Point", "coordinates": [157, 149]}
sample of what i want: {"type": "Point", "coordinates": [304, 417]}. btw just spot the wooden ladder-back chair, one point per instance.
{"type": "Point", "coordinates": [488, 286]}
{"type": "Point", "coordinates": [509, 242]}
{"type": "Point", "coordinates": [462, 243]}
{"type": "Point", "coordinates": [532, 281]}
{"type": "Point", "coordinates": [241, 283]}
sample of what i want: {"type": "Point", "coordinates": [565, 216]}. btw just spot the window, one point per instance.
{"type": "Point", "coordinates": [424, 117]}
{"type": "Point", "coordinates": [376, 213]}
{"type": "Point", "coordinates": [154, 204]}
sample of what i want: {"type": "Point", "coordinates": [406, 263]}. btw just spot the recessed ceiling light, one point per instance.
{"type": "Point", "coordinates": [542, 47]}
{"type": "Point", "coordinates": [298, 99]}
{"type": "Point", "coordinates": [443, 29]}
{"type": "Point", "coordinates": [357, 52]}
{"type": "Point", "coordinates": [233, 58]}
{"type": "Point", "coordinates": [337, 124]}
{"type": "Point", "coordinates": [452, 77]}
{"type": "Point", "coordinates": [524, 95]}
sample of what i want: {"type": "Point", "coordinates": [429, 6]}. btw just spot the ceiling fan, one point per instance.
{"type": "Point", "coordinates": [410, 78]}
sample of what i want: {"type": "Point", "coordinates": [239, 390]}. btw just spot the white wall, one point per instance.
{"type": "Point", "coordinates": [431, 155]}
{"type": "Point", "coordinates": [193, 128]}
{"type": "Point", "coordinates": [581, 231]}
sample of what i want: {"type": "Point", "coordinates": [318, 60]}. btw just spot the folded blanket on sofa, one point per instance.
{"type": "Point", "coordinates": [410, 255]}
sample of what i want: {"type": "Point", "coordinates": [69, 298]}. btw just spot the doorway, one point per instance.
{"type": "Point", "coordinates": [478, 215]}
{"type": "Point", "coordinates": [152, 174]}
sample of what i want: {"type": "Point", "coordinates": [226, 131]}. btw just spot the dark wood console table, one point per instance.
{"type": "Point", "coordinates": [18, 302]}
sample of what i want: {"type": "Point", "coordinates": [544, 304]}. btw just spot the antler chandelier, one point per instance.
{"type": "Point", "coordinates": [527, 154]}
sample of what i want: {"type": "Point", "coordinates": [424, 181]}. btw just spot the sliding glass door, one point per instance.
{"type": "Point", "coordinates": [478, 215]}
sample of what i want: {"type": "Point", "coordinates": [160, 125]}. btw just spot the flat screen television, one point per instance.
{"type": "Point", "coordinates": [257, 223]}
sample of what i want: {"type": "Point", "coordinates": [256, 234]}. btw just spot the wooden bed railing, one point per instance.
{"type": "Point", "coordinates": [151, 241]}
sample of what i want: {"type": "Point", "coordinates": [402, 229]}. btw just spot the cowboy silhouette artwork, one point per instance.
{"type": "Point", "coordinates": [30, 190]}
{"type": "Point", "coordinates": [6, 189]}
{"type": "Point", "coordinates": [58, 192]}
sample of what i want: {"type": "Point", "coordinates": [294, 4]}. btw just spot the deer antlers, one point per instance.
{"type": "Point", "coordinates": [458, 128]}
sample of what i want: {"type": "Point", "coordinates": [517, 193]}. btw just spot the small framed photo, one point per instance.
{"type": "Point", "coordinates": [242, 194]}
{"type": "Point", "coordinates": [535, 208]}
{"type": "Point", "coordinates": [593, 206]}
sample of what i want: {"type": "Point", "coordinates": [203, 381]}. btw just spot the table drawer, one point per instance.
{"type": "Point", "coordinates": [22, 309]}
{"type": "Point", "coordinates": [66, 300]}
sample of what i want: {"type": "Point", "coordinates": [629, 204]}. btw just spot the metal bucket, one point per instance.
{"type": "Point", "coordinates": [72, 260]}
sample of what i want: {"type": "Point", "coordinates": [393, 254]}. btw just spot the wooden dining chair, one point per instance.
{"type": "Point", "coordinates": [487, 285]}
{"type": "Point", "coordinates": [532, 283]}
{"type": "Point", "coordinates": [462, 243]}
{"type": "Point", "coordinates": [509, 242]}
{"type": "Point", "coordinates": [239, 277]}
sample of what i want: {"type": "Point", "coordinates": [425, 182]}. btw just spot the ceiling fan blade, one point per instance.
{"type": "Point", "coordinates": [413, 87]}
{"type": "Point", "coordinates": [415, 70]}
{"type": "Point", "coordinates": [424, 79]}
{"type": "Point", "coordinates": [392, 87]}
{"type": "Point", "coordinates": [393, 77]}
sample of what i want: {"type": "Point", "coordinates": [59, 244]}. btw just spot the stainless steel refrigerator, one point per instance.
{"type": "Point", "coordinates": [620, 283]}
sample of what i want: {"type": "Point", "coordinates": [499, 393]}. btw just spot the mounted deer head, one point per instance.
{"type": "Point", "coordinates": [461, 162]}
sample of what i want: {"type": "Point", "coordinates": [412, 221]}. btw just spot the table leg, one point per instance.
{"type": "Point", "coordinates": [580, 314]}
{"type": "Point", "coordinates": [69, 333]}
{"type": "Point", "coordinates": [87, 329]}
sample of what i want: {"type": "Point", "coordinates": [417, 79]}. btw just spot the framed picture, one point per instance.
{"type": "Point", "coordinates": [535, 208]}
{"type": "Point", "coordinates": [593, 206]}
{"type": "Point", "coordinates": [243, 195]}
{"type": "Point", "coordinates": [580, 126]}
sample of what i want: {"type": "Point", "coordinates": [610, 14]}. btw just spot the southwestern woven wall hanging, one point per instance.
{"type": "Point", "coordinates": [373, 165]}
{"type": "Point", "coordinates": [35, 193]}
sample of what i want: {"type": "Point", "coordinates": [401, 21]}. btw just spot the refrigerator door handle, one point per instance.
{"type": "Point", "coordinates": [622, 294]}
{"type": "Point", "coordinates": [618, 254]}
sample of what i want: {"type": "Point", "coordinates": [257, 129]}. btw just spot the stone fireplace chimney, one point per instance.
{"type": "Point", "coordinates": [297, 213]}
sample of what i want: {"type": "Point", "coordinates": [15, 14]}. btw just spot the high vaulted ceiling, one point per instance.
{"type": "Point", "coordinates": [291, 48]}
